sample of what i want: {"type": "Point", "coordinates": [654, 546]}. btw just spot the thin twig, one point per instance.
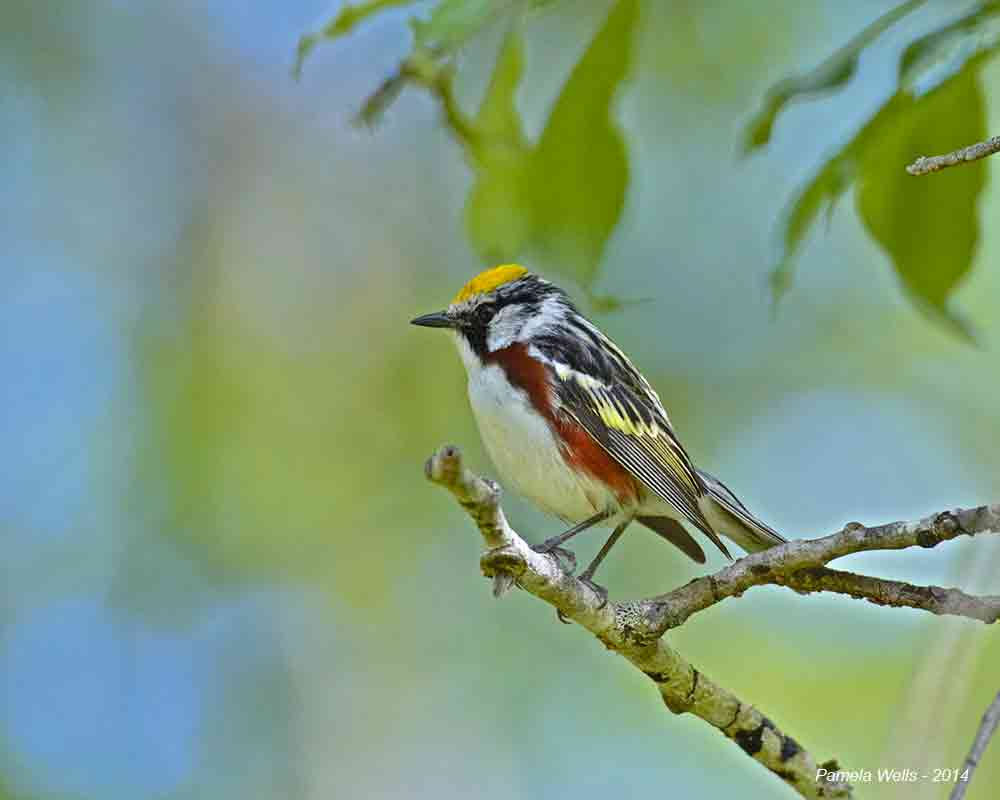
{"type": "Point", "coordinates": [974, 152]}
{"type": "Point", "coordinates": [899, 594]}
{"type": "Point", "coordinates": [986, 729]}
{"type": "Point", "coordinates": [795, 564]}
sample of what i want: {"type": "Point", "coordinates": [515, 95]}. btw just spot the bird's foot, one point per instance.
{"type": "Point", "coordinates": [559, 553]}
{"type": "Point", "coordinates": [596, 588]}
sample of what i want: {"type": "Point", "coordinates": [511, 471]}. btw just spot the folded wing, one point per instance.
{"type": "Point", "coordinates": [625, 417]}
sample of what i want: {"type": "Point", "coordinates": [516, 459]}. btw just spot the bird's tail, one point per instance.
{"type": "Point", "coordinates": [729, 517]}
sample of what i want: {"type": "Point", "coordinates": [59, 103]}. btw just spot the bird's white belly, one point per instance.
{"type": "Point", "coordinates": [525, 451]}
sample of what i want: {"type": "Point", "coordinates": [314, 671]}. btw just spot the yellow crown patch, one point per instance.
{"type": "Point", "coordinates": [489, 280]}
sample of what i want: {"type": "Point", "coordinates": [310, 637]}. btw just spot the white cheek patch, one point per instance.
{"type": "Point", "coordinates": [515, 323]}
{"type": "Point", "coordinates": [550, 314]}
{"type": "Point", "coordinates": [506, 327]}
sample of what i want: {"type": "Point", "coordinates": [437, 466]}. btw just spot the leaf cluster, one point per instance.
{"type": "Point", "coordinates": [562, 195]}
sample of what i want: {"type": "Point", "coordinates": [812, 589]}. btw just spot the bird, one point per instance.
{"type": "Point", "coordinates": [575, 428]}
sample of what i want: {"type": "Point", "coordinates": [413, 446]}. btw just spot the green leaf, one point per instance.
{"type": "Point", "coordinates": [928, 227]}
{"type": "Point", "coordinates": [346, 20]}
{"type": "Point", "coordinates": [564, 195]}
{"type": "Point", "coordinates": [821, 193]}
{"type": "Point", "coordinates": [430, 64]}
{"type": "Point", "coordinates": [452, 22]}
{"type": "Point", "coordinates": [496, 214]}
{"type": "Point", "coordinates": [934, 111]}
{"type": "Point", "coordinates": [833, 73]}
{"type": "Point", "coordinates": [498, 117]}
{"type": "Point", "coordinates": [920, 53]}
{"type": "Point", "coordinates": [578, 173]}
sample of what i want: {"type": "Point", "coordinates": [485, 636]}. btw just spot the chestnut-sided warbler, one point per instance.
{"type": "Point", "coordinates": [575, 427]}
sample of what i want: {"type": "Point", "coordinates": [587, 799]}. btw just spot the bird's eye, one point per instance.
{"type": "Point", "coordinates": [484, 314]}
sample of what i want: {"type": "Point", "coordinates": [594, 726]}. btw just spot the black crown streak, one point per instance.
{"type": "Point", "coordinates": [529, 289]}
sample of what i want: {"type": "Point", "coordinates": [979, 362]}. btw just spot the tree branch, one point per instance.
{"type": "Point", "coordinates": [799, 564]}
{"type": "Point", "coordinates": [510, 560]}
{"type": "Point", "coordinates": [899, 594]}
{"type": "Point", "coordinates": [974, 152]}
{"type": "Point", "coordinates": [986, 729]}
{"type": "Point", "coordinates": [634, 629]}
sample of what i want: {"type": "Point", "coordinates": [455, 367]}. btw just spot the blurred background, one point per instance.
{"type": "Point", "coordinates": [224, 575]}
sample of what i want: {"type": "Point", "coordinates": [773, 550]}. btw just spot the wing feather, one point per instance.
{"type": "Point", "coordinates": [596, 384]}
{"type": "Point", "coordinates": [633, 429]}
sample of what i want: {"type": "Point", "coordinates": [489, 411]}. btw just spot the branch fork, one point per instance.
{"type": "Point", "coordinates": [635, 629]}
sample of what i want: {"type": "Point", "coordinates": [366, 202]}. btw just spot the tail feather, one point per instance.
{"type": "Point", "coordinates": [673, 532]}
{"type": "Point", "coordinates": [728, 516]}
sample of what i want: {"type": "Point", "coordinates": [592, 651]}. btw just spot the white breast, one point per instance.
{"type": "Point", "coordinates": [523, 448]}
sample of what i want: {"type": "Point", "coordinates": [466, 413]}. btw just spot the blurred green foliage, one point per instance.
{"type": "Point", "coordinates": [344, 22]}
{"type": "Point", "coordinates": [537, 196]}
{"type": "Point", "coordinates": [528, 197]}
{"type": "Point", "coordinates": [929, 228]}
{"type": "Point", "coordinates": [833, 73]}
{"type": "Point", "coordinates": [541, 199]}
{"type": "Point", "coordinates": [259, 470]}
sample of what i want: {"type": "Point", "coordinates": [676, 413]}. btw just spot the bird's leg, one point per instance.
{"type": "Point", "coordinates": [552, 545]}
{"type": "Point", "coordinates": [555, 541]}
{"type": "Point", "coordinates": [586, 577]}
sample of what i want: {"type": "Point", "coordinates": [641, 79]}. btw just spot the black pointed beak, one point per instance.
{"type": "Point", "coordinates": [439, 319]}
